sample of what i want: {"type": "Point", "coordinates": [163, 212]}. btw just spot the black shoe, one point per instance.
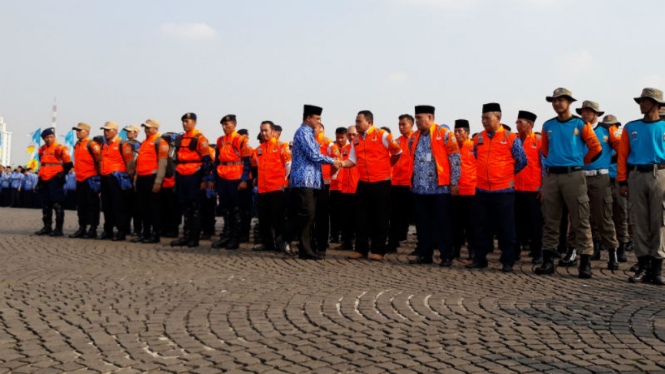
{"type": "Point", "coordinates": [151, 239]}
{"type": "Point", "coordinates": [80, 233]}
{"type": "Point", "coordinates": [92, 233]}
{"type": "Point", "coordinates": [596, 251]}
{"type": "Point", "coordinates": [44, 231]}
{"type": "Point", "coordinates": [193, 242]}
{"type": "Point", "coordinates": [538, 259]}
{"type": "Point", "coordinates": [180, 242]}
{"type": "Point", "coordinates": [613, 261]}
{"type": "Point", "coordinates": [139, 239]}
{"type": "Point", "coordinates": [476, 265]}
{"type": "Point", "coordinates": [446, 263]}
{"type": "Point", "coordinates": [262, 248]}
{"type": "Point", "coordinates": [232, 244]}
{"type": "Point", "coordinates": [119, 236]}
{"type": "Point", "coordinates": [621, 253]}
{"type": "Point", "coordinates": [106, 235]}
{"type": "Point", "coordinates": [585, 267]}
{"type": "Point", "coordinates": [56, 232]}
{"type": "Point", "coordinates": [570, 259]}
{"type": "Point", "coordinates": [421, 261]}
{"type": "Point", "coordinates": [309, 256]}
{"type": "Point", "coordinates": [507, 268]}
{"type": "Point", "coordinates": [547, 267]}
{"type": "Point", "coordinates": [642, 273]}
{"type": "Point", "coordinates": [221, 243]}
{"type": "Point", "coordinates": [630, 247]}
{"type": "Point", "coordinates": [657, 272]}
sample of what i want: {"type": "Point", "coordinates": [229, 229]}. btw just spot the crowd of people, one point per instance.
{"type": "Point", "coordinates": [563, 193]}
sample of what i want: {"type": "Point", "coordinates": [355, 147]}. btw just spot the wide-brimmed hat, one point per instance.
{"type": "Point", "coordinates": [560, 92]}
{"type": "Point", "coordinates": [151, 123]}
{"type": "Point", "coordinates": [82, 126]}
{"type": "Point", "coordinates": [611, 119]}
{"type": "Point", "coordinates": [590, 105]}
{"type": "Point", "coordinates": [653, 94]}
{"type": "Point", "coordinates": [110, 125]}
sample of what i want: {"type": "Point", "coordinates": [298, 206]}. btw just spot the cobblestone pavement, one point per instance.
{"type": "Point", "coordinates": [79, 306]}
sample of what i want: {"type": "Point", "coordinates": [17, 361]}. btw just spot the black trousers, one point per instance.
{"type": "Point", "coordinates": [529, 221]}
{"type": "Point", "coordinates": [208, 214]}
{"type": "Point", "coordinates": [149, 214]}
{"type": "Point", "coordinates": [169, 211]}
{"type": "Point", "coordinates": [52, 195]}
{"type": "Point", "coordinates": [87, 204]}
{"type": "Point", "coordinates": [190, 199]}
{"type": "Point", "coordinates": [348, 219]}
{"type": "Point", "coordinates": [114, 205]}
{"type": "Point", "coordinates": [16, 198]}
{"type": "Point", "coordinates": [494, 212]}
{"type": "Point", "coordinates": [71, 198]}
{"type": "Point", "coordinates": [28, 198]}
{"type": "Point", "coordinates": [6, 196]}
{"type": "Point", "coordinates": [305, 201]}
{"type": "Point", "coordinates": [271, 217]}
{"type": "Point", "coordinates": [401, 213]}
{"type": "Point", "coordinates": [372, 216]}
{"type": "Point", "coordinates": [322, 218]}
{"type": "Point", "coordinates": [134, 215]}
{"type": "Point", "coordinates": [335, 214]}
{"type": "Point", "coordinates": [433, 225]}
{"type": "Point", "coordinates": [462, 222]}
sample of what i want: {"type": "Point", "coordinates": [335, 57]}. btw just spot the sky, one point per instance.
{"type": "Point", "coordinates": [127, 61]}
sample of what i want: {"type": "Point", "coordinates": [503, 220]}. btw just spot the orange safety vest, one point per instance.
{"type": "Point", "coordinates": [51, 160]}
{"type": "Point", "coordinates": [147, 162]}
{"type": "Point", "coordinates": [271, 160]}
{"type": "Point", "coordinates": [403, 169]}
{"type": "Point", "coordinates": [530, 178]}
{"type": "Point", "coordinates": [188, 156]}
{"type": "Point", "coordinates": [327, 148]}
{"type": "Point", "coordinates": [168, 182]}
{"type": "Point", "coordinates": [440, 139]}
{"type": "Point", "coordinates": [350, 176]}
{"type": "Point", "coordinates": [373, 159]}
{"type": "Point", "coordinates": [336, 183]}
{"type": "Point", "coordinates": [495, 162]}
{"type": "Point", "coordinates": [230, 150]}
{"type": "Point", "coordinates": [467, 180]}
{"type": "Point", "coordinates": [84, 161]}
{"type": "Point", "coordinates": [113, 158]}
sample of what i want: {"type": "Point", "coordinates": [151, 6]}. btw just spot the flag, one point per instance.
{"type": "Point", "coordinates": [35, 140]}
{"type": "Point", "coordinates": [34, 162]}
{"type": "Point", "coordinates": [123, 135]}
{"type": "Point", "coordinates": [70, 139]}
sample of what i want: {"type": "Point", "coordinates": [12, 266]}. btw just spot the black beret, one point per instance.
{"type": "Point", "coordinates": [312, 110]}
{"type": "Point", "coordinates": [228, 118]}
{"type": "Point", "coordinates": [523, 114]}
{"type": "Point", "coordinates": [188, 116]}
{"type": "Point", "coordinates": [491, 107]}
{"type": "Point", "coordinates": [48, 131]}
{"type": "Point", "coordinates": [278, 128]}
{"type": "Point", "coordinates": [461, 124]}
{"type": "Point", "coordinates": [243, 132]}
{"type": "Point", "coordinates": [424, 109]}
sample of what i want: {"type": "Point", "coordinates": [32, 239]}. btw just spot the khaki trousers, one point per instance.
{"type": "Point", "coordinates": [647, 214]}
{"type": "Point", "coordinates": [600, 198]}
{"type": "Point", "coordinates": [569, 189]}
{"type": "Point", "coordinates": [619, 214]}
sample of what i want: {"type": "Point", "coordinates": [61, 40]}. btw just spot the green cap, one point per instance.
{"type": "Point", "coordinates": [559, 92]}
{"type": "Point", "coordinates": [590, 105]}
{"type": "Point", "coordinates": [653, 94]}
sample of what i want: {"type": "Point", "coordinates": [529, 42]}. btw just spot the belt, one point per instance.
{"type": "Point", "coordinates": [646, 168]}
{"type": "Point", "coordinates": [51, 164]}
{"type": "Point", "coordinates": [563, 169]}
{"type": "Point", "coordinates": [231, 163]}
{"type": "Point", "coordinates": [593, 173]}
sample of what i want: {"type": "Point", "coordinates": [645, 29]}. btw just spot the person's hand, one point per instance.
{"type": "Point", "coordinates": [242, 186]}
{"type": "Point", "coordinates": [623, 191]}
{"type": "Point", "coordinates": [338, 164]}
{"type": "Point", "coordinates": [156, 188]}
{"type": "Point", "coordinates": [454, 190]}
{"type": "Point", "coordinates": [204, 185]}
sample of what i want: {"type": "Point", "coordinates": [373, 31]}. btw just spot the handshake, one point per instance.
{"type": "Point", "coordinates": [338, 164]}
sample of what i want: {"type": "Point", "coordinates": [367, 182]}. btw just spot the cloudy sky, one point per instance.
{"type": "Point", "coordinates": [127, 61]}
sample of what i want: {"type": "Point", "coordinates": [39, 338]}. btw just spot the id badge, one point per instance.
{"type": "Point", "coordinates": [428, 157]}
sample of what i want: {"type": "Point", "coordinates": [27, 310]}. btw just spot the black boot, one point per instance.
{"type": "Point", "coordinates": [548, 264]}
{"type": "Point", "coordinates": [224, 236]}
{"type": "Point", "coordinates": [58, 229]}
{"type": "Point", "coordinates": [621, 253]}
{"type": "Point", "coordinates": [119, 236]}
{"type": "Point", "coordinates": [596, 251]}
{"type": "Point", "coordinates": [59, 219]}
{"type": "Point", "coordinates": [570, 259]}
{"type": "Point", "coordinates": [630, 247]}
{"type": "Point", "coordinates": [151, 239]}
{"type": "Point", "coordinates": [308, 255]}
{"type": "Point", "coordinates": [657, 272]}
{"type": "Point", "coordinates": [47, 215]}
{"type": "Point", "coordinates": [141, 235]}
{"type": "Point", "coordinates": [613, 261]}
{"type": "Point", "coordinates": [46, 230]}
{"type": "Point", "coordinates": [585, 267]}
{"type": "Point", "coordinates": [194, 239]}
{"type": "Point", "coordinates": [92, 233]}
{"type": "Point", "coordinates": [642, 273]}
{"type": "Point", "coordinates": [106, 235]}
{"type": "Point", "coordinates": [236, 229]}
{"type": "Point", "coordinates": [182, 241]}
{"type": "Point", "coordinates": [80, 233]}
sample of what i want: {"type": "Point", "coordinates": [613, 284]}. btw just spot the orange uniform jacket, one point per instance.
{"type": "Point", "coordinates": [349, 176]}
{"type": "Point", "coordinates": [531, 177]}
{"type": "Point", "coordinates": [467, 179]}
{"type": "Point", "coordinates": [271, 159]}
{"type": "Point", "coordinates": [495, 162]}
{"type": "Point", "coordinates": [403, 169]}
{"type": "Point", "coordinates": [113, 158]}
{"type": "Point", "coordinates": [231, 149]}
{"type": "Point", "coordinates": [373, 157]}
{"type": "Point", "coordinates": [327, 148]}
{"type": "Point", "coordinates": [147, 161]}
{"type": "Point", "coordinates": [52, 159]}
{"type": "Point", "coordinates": [336, 183]}
{"type": "Point", "coordinates": [190, 161]}
{"type": "Point", "coordinates": [443, 143]}
{"type": "Point", "coordinates": [85, 163]}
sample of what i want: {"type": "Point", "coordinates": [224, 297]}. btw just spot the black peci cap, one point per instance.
{"type": "Point", "coordinates": [462, 124]}
{"type": "Point", "coordinates": [491, 107]}
{"type": "Point", "coordinates": [424, 109]}
{"type": "Point", "coordinates": [312, 110]}
{"type": "Point", "coordinates": [523, 114]}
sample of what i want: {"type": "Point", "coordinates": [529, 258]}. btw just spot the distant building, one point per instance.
{"type": "Point", "coordinates": [5, 144]}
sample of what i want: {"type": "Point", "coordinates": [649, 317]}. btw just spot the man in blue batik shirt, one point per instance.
{"type": "Point", "coordinates": [306, 177]}
{"type": "Point", "coordinates": [15, 184]}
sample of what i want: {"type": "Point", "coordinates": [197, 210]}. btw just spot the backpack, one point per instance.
{"type": "Point", "coordinates": [170, 139]}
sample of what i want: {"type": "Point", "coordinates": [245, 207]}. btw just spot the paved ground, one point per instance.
{"type": "Point", "coordinates": [87, 306]}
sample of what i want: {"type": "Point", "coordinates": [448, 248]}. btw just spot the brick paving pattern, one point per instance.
{"type": "Point", "coordinates": [80, 306]}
